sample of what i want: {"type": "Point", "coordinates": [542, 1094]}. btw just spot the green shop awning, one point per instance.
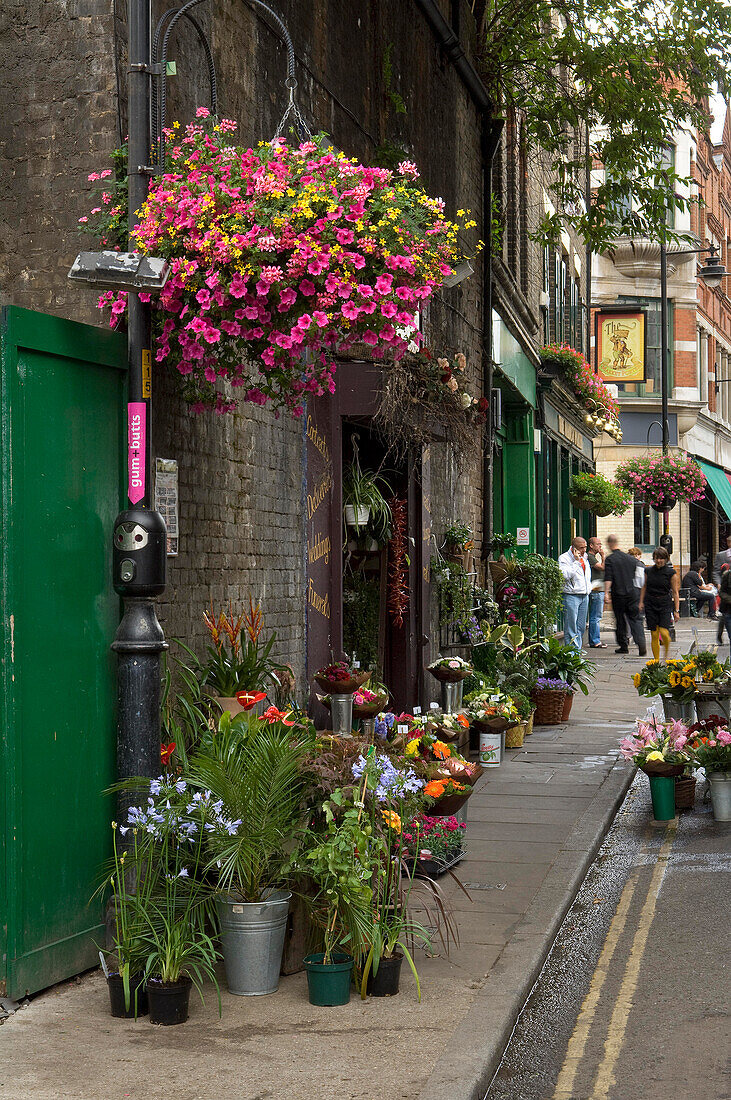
{"type": "Point", "coordinates": [719, 482]}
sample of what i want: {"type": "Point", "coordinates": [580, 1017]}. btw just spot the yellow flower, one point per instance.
{"type": "Point", "coordinates": [689, 667]}
{"type": "Point", "coordinates": [412, 747]}
{"type": "Point", "coordinates": [687, 682]}
{"type": "Point", "coordinates": [652, 662]}
{"type": "Point", "coordinates": [708, 675]}
{"type": "Point", "coordinates": [655, 756]}
{"type": "Point", "coordinates": [674, 679]}
{"type": "Point", "coordinates": [392, 820]}
{"type": "Point", "coordinates": [636, 679]}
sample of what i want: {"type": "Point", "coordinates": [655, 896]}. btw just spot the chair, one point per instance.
{"type": "Point", "coordinates": [688, 609]}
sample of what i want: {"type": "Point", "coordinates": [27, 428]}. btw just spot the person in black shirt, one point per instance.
{"type": "Point", "coordinates": [661, 600]}
{"type": "Point", "coordinates": [699, 590]}
{"type": "Point", "coordinates": [620, 590]}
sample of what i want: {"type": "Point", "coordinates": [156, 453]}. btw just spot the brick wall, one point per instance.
{"type": "Point", "coordinates": [240, 477]}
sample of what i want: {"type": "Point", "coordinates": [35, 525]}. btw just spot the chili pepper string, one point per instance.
{"type": "Point", "coordinates": [398, 589]}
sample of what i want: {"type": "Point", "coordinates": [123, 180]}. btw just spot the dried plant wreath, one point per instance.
{"type": "Point", "coordinates": [423, 400]}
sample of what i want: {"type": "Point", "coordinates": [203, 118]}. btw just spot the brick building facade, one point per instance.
{"type": "Point", "coordinates": [699, 340]}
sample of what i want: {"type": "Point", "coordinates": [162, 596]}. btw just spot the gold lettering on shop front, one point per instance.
{"type": "Point", "coordinates": [317, 440]}
{"type": "Point", "coordinates": [319, 549]}
{"type": "Point", "coordinates": [317, 602]}
{"type": "Point", "coordinates": [315, 499]}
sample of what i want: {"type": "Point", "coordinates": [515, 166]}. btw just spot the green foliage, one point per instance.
{"type": "Point", "coordinates": [503, 540]}
{"type": "Point", "coordinates": [455, 591]}
{"type": "Point", "coordinates": [186, 711]}
{"type": "Point", "coordinates": [634, 72]}
{"type": "Point", "coordinates": [365, 489]}
{"type": "Point", "coordinates": [339, 858]}
{"type": "Point", "coordinates": [538, 584]}
{"type": "Point", "coordinates": [459, 535]}
{"type": "Point", "coordinates": [256, 769]}
{"type": "Point", "coordinates": [598, 494]}
{"type": "Point", "coordinates": [566, 662]}
{"type": "Point", "coordinates": [361, 616]}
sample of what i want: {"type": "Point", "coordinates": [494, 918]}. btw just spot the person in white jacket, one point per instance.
{"type": "Point", "coordinates": [574, 565]}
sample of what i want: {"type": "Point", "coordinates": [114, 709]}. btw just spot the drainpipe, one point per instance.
{"type": "Point", "coordinates": [491, 129]}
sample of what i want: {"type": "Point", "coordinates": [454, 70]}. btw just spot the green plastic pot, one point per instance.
{"type": "Point", "coordinates": [328, 984]}
{"type": "Point", "coordinates": [662, 791]}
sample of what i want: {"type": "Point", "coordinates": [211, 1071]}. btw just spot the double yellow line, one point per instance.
{"type": "Point", "coordinates": [620, 1014]}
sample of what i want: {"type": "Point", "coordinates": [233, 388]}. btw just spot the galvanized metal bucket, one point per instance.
{"type": "Point", "coordinates": [707, 704]}
{"type": "Point", "coordinates": [682, 712]}
{"type": "Point", "coordinates": [452, 696]}
{"type": "Point", "coordinates": [341, 712]}
{"type": "Point", "coordinates": [252, 938]}
{"type": "Point", "coordinates": [720, 784]}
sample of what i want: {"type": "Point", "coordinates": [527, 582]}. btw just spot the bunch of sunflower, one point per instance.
{"type": "Point", "coordinates": [682, 672]}
{"type": "Point", "coordinates": [653, 680]}
{"type": "Point", "coordinates": [710, 669]}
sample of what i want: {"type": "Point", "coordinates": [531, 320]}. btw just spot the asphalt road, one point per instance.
{"type": "Point", "coordinates": [632, 1003]}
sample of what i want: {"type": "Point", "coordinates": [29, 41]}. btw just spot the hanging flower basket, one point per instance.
{"type": "Point", "coordinates": [662, 480]}
{"type": "Point", "coordinates": [602, 409]}
{"type": "Point", "coordinates": [283, 259]}
{"type": "Point", "coordinates": [596, 493]}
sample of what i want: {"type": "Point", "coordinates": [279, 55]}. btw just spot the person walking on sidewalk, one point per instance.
{"type": "Point", "coordinates": [596, 596]}
{"type": "Point", "coordinates": [661, 600]}
{"type": "Point", "coordinates": [723, 557]}
{"type": "Point", "coordinates": [724, 593]}
{"type": "Point", "coordinates": [624, 596]}
{"type": "Point", "coordinates": [574, 565]}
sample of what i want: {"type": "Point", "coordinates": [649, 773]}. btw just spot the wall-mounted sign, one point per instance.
{"type": "Point", "coordinates": [522, 536]}
{"type": "Point", "coordinates": [166, 499]}
{"type": "Point", "coordinates": [620, 341]}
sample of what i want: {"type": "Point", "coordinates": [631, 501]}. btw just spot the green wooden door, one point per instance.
{"type": "Point", "coordinates": [61, 454]}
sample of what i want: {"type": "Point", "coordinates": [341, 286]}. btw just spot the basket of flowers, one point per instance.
{"type": "Point", "coordinates": [450, 670]}
{"type": "Point", "coordinates": [341, 678]}
{"type": "Point", "coordinates": [492, 711]}
{"type": "Point", "coordinates": [448, 795]}
{"type": "Point", "coordinates": [549, 697]}
{"type": "Point", "coordinates": [662, 480]}
{"type": "Point", "coordinates": [514, 735]}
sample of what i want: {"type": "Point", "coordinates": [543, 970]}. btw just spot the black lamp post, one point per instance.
{"type": "Point", "coordinates": [712, 272]}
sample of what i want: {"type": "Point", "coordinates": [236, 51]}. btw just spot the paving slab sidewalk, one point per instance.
{"type": "Point", "coordinates": [534, 826]}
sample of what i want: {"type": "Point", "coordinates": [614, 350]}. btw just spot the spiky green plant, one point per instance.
{"type": "Point", "coordinates": [256, 768]}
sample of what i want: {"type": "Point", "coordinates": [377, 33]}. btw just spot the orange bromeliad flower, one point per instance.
{"type": "Point", "coordinates": [253, 620]}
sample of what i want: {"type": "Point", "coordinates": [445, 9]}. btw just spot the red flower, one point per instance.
{"type": "Point", "coordinates": [249, 699]}
{"type": "Point", "coordinates": [166, 751]}
{"type": "Point", "coordinates": [273, 715]}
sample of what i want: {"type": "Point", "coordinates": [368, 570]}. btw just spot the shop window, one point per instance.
{"type": "Point", "coordinates": [646, 532]}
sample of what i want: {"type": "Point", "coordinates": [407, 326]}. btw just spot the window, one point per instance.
{"type": "Point", "coordinates": [646, 526]}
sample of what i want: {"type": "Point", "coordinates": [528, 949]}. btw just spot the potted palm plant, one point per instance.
{"type": "Point", "coordinates": [253, 769]}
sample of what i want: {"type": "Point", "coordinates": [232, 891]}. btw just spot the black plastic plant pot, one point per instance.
{"type": "Point", "coordinates": [665, 505]}
{"type": "Point", "coordinates": [385, 983]}
{"type": "Point", "coordinates": [137, 996]}
{"type": "Point", "coordinates": [168, 1001]}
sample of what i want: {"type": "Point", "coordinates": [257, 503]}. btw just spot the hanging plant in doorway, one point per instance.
{"type": "Point", "coordinates": [282, 257]}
